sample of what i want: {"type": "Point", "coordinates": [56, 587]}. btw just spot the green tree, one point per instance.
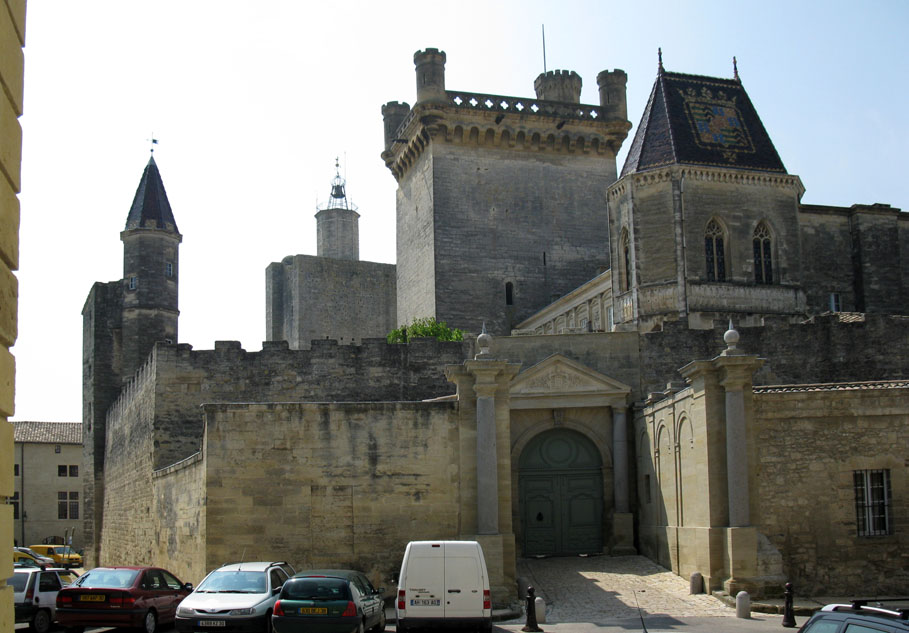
{"type": "Point", "coordinates": [427, 326]}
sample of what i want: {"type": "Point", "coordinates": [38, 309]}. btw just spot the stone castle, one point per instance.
{"type": "Point", "coordinates": [613, 407]}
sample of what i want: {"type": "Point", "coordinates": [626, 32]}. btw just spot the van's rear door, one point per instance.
{"type": "Point", "coordinates": [463, 581]}
{"type": "Point", "coordinates": [425, 581]}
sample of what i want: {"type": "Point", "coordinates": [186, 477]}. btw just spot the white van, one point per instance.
{"type": "Point", "coordinates": [443, 583]}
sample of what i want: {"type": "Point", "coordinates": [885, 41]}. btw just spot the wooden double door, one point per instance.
{"type": "Point", "coordinates": [561, 495]}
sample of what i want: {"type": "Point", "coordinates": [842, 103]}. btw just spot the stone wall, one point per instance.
{"type": "Point", "coordinates": [372, 371]}
{"type": "Point", "coordinates": [828, 348]}
{"type": "Point", "coordinates": [809, 441]}
{"type": "Point", "coordinates": [179, 496]}
{"type": "Point", "coordinates": [309, 298]}
{"type": "Point", "coordinates": [101, 384]}
{"type": "Point", "coordinates": [503, 216]}
{"type": "Point", "coordinates": [343, 485]}
{"type": "Point", "coordinates": [12, 64]}
{"type": "Point", "coordinates": [129, 531]}
{"type": "Point", "coordinates": [415, 244]}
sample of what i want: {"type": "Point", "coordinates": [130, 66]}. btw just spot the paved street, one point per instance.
{"type": "Point", "coordinates": [598, 593]}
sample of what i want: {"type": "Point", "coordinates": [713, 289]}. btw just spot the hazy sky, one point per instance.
{"type": "Point", "coordinates": [252, 101]}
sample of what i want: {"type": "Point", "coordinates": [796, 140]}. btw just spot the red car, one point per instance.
{"type": "Point", "coordinates": [136, 597]}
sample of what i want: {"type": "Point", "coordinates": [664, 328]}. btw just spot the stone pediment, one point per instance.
{"type": "Point", "coordinates": [559, 382]}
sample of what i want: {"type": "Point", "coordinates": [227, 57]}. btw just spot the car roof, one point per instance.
{"type": "Point", "coordinates": [860, 609]}
{"type": "Point", "coordinates": [250, 566]}
{"type": "Point", "coordinates": [339, 573]}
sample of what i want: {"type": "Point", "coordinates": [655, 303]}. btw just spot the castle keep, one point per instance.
{"type": "Point", "coordinates": [682, 360]}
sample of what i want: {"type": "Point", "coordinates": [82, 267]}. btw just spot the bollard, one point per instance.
{"type": "Point", "coordinates": [788, 613]}
{"type": "Point", "coordinates": [742, 605]}
{"type": "Point", "coordinates": [531, 613]}
{"type": "Point", "coordinates": [696, 583]}
{"type": "Point", "coordinates": [539, 607]}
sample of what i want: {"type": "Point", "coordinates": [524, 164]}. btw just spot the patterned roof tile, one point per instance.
{"type": "Point", "coordinates": [26, 432]}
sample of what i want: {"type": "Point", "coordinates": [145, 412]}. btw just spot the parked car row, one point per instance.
{"type": "Point", "coordinates": [441, 582]}
{"type": "Point", "coordinates": [48, 555]}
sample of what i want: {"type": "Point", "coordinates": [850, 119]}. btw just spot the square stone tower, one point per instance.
{"type": "Point", "coordinates": [500, 201]}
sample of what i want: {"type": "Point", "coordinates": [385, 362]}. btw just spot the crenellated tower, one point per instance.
{"type": "Point", "coordinates": [500, 202]}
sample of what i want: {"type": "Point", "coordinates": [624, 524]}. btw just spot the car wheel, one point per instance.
{"type": "Point", "coordinates": [149, 622]}
{"type": "Point", "coordinates": [41, 622]}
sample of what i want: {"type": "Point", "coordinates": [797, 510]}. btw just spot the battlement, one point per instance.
{"type": "Point", "coordinates": [558, 85]}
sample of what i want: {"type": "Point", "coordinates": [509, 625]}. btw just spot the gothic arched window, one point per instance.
{"type": "Point", "coordinates": [625, 281]}
{"type": "Point", "coordinates": [763, 260]}
{"type": "Point", "coordinates": [715, 251]}
{"type": "Point", "coordinates": [509, 293]}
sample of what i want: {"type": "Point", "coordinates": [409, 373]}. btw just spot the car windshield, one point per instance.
{"type": "Point", "coordinates": [315, 589]}
{"type": "Point", "coordinates": [104, 577]}
{"type": "Point", "coordinates": [66, 550]}
{"type": "Point", "coordinates": [234, 582]}
{"type": "Point", "coordinates": [18, 582]}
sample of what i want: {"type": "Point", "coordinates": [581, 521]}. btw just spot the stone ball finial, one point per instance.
{"type": "Point", "coordinates": [731, 337]}
{"type": "Point", "coordinates": [484, 342]}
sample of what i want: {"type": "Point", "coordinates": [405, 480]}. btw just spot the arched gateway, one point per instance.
{"type": "Point", "coordinates": [561, 495]}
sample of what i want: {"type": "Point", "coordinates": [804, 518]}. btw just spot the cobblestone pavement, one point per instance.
{"type": "Point", "coordinates": [600, 588]}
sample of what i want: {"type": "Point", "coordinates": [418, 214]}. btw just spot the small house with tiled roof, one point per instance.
{"type": "Point", "coordinates": [47, 469]}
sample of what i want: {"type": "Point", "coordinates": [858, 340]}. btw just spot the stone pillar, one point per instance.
{"type": "Point", "coordinates": [620, 459]}
{"type": "Point", "coordinates": [622, 519]}
{"type": "Point", "coordinates": [487, 461]}
{"type": "Point", "coordinates": [736, 456]}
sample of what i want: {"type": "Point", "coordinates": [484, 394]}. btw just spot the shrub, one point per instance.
{"type": "Point", "coordinates": [427, 326]}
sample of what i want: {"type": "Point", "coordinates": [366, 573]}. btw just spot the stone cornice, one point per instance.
{"type": "Point", "coordinates": [509, 123]}
{"type": "Point", "coordinates": [744, 177]}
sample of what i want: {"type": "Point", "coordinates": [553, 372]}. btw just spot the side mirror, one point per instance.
{"type": "Point", "coordinates": [188, 586]}
{"type": "Point", "coordinates": [276, 590]}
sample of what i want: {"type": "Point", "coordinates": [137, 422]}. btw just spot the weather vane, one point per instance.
{"type": "Point", "coordinates": [153, 142]}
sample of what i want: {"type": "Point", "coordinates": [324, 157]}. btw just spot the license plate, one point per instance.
{"type": "Point", "coordinates": [212, 623]}
{"type": "Point", "coordinates": [425, 602]}
{"type": "Point", "coordinates": [91, 597]}
{"type": "Point", "coordinates": [313, 611]}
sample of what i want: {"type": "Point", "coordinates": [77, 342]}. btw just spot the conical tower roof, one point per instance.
{"type": "Point", "coordinates": [150, 208]}
{"type": "Point", "coordinates": [700, 121]}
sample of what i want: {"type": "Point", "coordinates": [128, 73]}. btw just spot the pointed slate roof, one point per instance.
{"type": "Point", "coordinates": [696, 120]}
{"type": "Point", "coordinates": [150, 209]}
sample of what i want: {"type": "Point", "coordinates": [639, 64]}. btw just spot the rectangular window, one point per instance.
{"type": "Point", "coordinates": [15, 470]}
{"type": "Point", "coordinates": [62, 507]}
{"type": "Point", "coordinates": [74, 470]}
{"type": "Point", "coordinates": [169, 269]}
{"type": "Point", "coordinates": [61, 470]}
{"type": "Point", "coordinates": [835, 304]}
{"type": "Point", "coordinates": [610, 319]}
{"type": "Point", "coordinates": [133, 282]}
{"type": "Point", "coordinates": [74, 505]}
{"type": "Point", "coordinates": [57, 448]}
{"type": "Point", "coordinates": [872, 502]}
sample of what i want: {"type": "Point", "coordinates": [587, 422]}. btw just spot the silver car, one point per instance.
{"type": "Point", "coordinates": [235, 598]}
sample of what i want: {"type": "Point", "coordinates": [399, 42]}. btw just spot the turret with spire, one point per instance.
{"type": "Point", "coordinates": [151, 244]}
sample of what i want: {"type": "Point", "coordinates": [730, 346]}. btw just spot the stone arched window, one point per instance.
{"type": "Point", "coordinates": [715, 251]}
{"type": "Point", "coordinates": [763, 258]}
{"type": "Point", "coordinates": [625, 264]}
{"type": "Point", "coordinates": [509, 293]}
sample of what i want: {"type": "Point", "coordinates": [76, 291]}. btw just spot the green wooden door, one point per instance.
{"type": "Point", "coordinates": [561, 495]}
